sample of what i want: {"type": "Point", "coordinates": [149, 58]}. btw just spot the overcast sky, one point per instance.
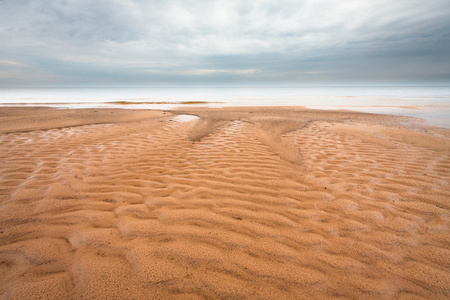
{"type": "Point", "coordinates": [183, 42]}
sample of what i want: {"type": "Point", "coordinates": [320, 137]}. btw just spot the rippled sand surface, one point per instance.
{"type": "Point", "coordinates": [259, 203]}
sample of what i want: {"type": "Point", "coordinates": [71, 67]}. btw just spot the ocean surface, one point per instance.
{"type": "Point", "coordinates": [431, 103]}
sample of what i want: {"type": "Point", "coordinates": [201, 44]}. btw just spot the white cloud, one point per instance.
{"type": "Point", "coordinates": [224, 71]}
{"type": "Point", "coordinates": [9, 62]}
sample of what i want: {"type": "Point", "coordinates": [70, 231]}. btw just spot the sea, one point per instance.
{"type": "Point", "coordinates": [431, 103]}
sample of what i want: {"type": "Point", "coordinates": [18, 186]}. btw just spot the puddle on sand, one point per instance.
{"type": "Point", "coordinates": [184, 118]}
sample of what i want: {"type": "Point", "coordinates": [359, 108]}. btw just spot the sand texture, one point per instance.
{"type": "Point", "coordinates": [254, 203]}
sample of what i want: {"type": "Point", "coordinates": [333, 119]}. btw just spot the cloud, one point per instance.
{"type": "Point", "coordinates": [147, 42]}
{"type": "Point", "coordinates": [226, 71]}
{"type": "Point", "coordinates": [9, 62]}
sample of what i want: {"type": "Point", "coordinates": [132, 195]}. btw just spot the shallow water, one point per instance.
{"type": "Point", "coordinates": [436, 116]}
{"type": "Point", "coordinates": [432, 102]}
{"type": "Point", "coordinates": [185, 118]}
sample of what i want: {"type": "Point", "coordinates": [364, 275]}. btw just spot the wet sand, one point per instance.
{"type": "Point", "coordinates": [259, 203]}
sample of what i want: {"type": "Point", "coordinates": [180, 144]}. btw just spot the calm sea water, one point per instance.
{"type": "Point", "coordinates": [433, 102]}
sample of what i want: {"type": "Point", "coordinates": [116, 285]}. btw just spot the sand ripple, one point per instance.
{"type": "Point", "coordinates": [263, 205]}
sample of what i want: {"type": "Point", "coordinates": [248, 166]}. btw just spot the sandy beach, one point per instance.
{"type": "Point", "coordinates": [254, 203]}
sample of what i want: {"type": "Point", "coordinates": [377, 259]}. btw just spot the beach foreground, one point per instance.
{"type": "Point", "coordinates": [267, 203]}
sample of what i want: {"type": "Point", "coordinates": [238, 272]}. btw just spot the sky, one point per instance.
{"type": "Point", "coordinates": [223, 42]}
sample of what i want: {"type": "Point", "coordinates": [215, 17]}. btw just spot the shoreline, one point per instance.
{"type": "Point", "coordinates": [45, 118]}
{"type": "Point", "coordinates": [434, 115]}
{"type": "Point", "coordinates": [262, 202]}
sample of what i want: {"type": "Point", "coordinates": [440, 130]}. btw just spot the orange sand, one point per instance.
{"type": "Point", "coordinates": [260, 203]}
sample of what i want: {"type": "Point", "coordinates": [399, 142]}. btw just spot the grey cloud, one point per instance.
{"type": "Point", "coordinates": [175, 41]}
